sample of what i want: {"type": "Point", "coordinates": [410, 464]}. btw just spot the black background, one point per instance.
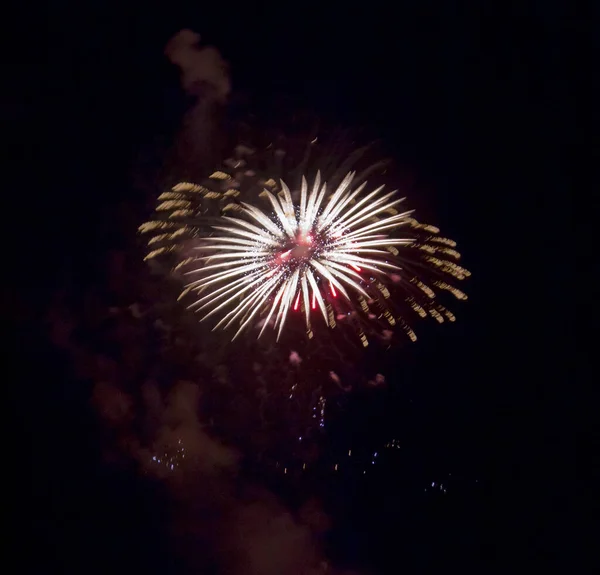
{"type": "Point", "coordinates": [475, 97]}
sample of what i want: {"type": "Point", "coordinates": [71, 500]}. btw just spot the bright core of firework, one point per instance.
{"type": "Point", "coordinates": [299, 256]}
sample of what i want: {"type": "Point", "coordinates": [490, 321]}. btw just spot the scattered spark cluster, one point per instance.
{"type": "Point", "coordinates": [170, 458]}
{"type": "Point", "coordinates": [319, 411]}
{"type": "Point", "coordinates": [341, 468]}
{"type": "Point", "coordinates": [342, 252]}
{"type": "Point", "coordinates": [322, 411]}
{"type": "Point", "coordinates": [439, 486]}
{"type": "Point", "coordinates": [394, 444]}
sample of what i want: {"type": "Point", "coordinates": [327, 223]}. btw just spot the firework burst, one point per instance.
{"type": "Point", "coordinates": [340, 251]}
{"type": "Point", "coordinates": [301, 257]}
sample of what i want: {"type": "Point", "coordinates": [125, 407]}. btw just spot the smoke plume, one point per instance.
{"type": "Point", "coordinates": [217, 518]}
{"type": "Point", "coordinates": [205, 79]}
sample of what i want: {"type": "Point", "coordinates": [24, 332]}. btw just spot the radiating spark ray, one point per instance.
{"type": "Point", "coordinates": [331, 277]}
{"type": "Point", "coordinates": [217, 294]}
{"type": "Point", "coordinates": [249, 226]}
{"type": "Point", "coordinates": [349, 214]}
{"type": "Point", "coordinates": [228, 300]}
{"type": "Point", "coordinates": [369, 212]}
{"type": "Point", "coordinates": [340, 273]}
{"type": "Point", "coordinates": [280, 215]}
{"type": "Point", "coordinates": [306, 298]}
{"type": "Point", "coordinates": [272, 308]}
{"type": "Point", "coordinates": [335, 212]}
{"type": "Point", "coordinates": [334, 201]}
{"type": "Point", "coordinates": [291, 290]}
{"type": "Point", "coordinates": [303, 191]}
{"type": "Point", "coordinates": [261, 239]}
{"type": "Point", "coordinates": [262, 219]}
{"type": "Point", "coordinates": [248, 301]}
{"type": "Point", "coordinates": [317, 293]}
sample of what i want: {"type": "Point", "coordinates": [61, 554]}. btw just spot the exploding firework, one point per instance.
{"type": "Point", "coordinates": [255, 251]}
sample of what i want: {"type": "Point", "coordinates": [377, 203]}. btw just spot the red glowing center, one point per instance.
{"type": "Point", "coordinates": [301, 249]}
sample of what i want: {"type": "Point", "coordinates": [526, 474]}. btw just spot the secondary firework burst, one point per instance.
{"type": "Point", "coordinates": [344, 252]}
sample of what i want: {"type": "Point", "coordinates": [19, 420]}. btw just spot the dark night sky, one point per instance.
{"type": "Point", "coordinates": [476, 100]}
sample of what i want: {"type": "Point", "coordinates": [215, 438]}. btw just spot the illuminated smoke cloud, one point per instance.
{"type": "Point", "coordinates": [201, 68]}
{"type": "Point", "coordinates": [295, 358]}
{"type": "Point", "coordinates": [215, 519]}
{"type": "Point", "coordinates": [205, 77]}
{"type": "Point", "coordinates": [379, 380]}
{"type": "Point", "coordinates": [114, 405]}
{"type": "Point", "coordinates": [273, 541]}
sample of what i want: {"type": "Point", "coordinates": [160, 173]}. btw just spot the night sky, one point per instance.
{"type": "Point", "coordinates": [475, 102]}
